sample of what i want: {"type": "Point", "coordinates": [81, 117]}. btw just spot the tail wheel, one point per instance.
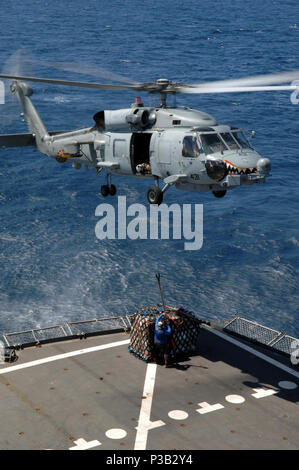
{"type": "Point", "coordinates": [112, 190]}
{"type": "Point", "coordinates": [154, 195]}
{"type": "Point", "coordinates": [219, 193]}
{"type": "Point", "coordinates": [105, 190]}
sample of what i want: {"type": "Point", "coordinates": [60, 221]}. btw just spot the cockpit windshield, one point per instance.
{"type": "Point", "coordinates": [230, 141]}
{"type": "Point", "coordinates": [241, 139]}
{"type": "Point", "coordinates": [234, 140]}
{"type": "Point", "coordinates": [211, 143]}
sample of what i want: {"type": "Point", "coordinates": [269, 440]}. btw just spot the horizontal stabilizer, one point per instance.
{"type": "Point", "coordinates": [16, 140]}
{"type": "Point", "coordinates": [21, 140]}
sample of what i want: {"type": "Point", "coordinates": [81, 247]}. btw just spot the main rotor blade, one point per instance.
{"type": "Point", "coordinates": [138, 87]}
{"type": "Point", "coordinates": [85, 69]}
{"type": "Point", "coordinates": [268, 79]}
{"type": "Point", "coordinates": [156, 87]}
{"type": "Point", "coordinates": [240, 89]}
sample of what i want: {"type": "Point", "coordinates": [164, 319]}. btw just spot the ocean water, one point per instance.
{"type": "Point", "coordinates": [52, 266]}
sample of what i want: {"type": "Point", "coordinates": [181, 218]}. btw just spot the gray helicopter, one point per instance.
{"type": "Point", "coordinates": [172, 145]}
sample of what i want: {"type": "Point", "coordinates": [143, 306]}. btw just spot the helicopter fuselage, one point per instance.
{"type": "Point", "coordinates": [177, 146]}
{"type": "Point", "coordinates": [180, 146]}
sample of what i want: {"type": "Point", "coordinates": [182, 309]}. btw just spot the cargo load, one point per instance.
{"type": "Point", "coordinates": [185, 327]}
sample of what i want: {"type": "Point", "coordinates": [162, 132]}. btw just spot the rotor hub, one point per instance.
{"type": "Point", "coordinates": [163, 82]}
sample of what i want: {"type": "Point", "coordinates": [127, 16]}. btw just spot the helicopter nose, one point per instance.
{"type": "Point", "coordinates": [248, 163]}
{"type": "Point", "coordinates": [264, 165]}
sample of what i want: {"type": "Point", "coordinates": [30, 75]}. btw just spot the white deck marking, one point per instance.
{"type": "Point", "coordinates": [206, 408]}
{"type": "Point", "coordinates": [81, 444]}
{"type": "Point", "coordinates": [178, 414]}
{"type": "Point", "coordinates": [263, 392]}
{"type": "Point", "coordinates": [253, 351]}
{"type": "Point", "coordinates": [116, 433]}
{"type": "Point", "coordinates": [144, 422]}
{"type": "Point", "coordinates": [235, 399]}
{"type": "Point", "coordinates": [5, 370]}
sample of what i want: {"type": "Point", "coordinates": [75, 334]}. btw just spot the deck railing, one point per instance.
{"type": "Point", "coordinates": [247, 329]}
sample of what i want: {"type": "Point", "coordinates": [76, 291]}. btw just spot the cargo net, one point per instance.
{"type": "Point", "coordinates": [184, 332]}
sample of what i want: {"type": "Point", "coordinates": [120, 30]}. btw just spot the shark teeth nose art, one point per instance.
{"type": "Point", "coordinates": [235, 170]}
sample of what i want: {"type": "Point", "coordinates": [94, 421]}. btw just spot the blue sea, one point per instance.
{"type": "Point", "coordinates": [52, 266]}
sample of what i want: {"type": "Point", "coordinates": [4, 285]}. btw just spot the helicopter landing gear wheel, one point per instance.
{"type": "Point", "coordinates": [219, 193]}
{"type": "Point", "coordinates": [105, 191]}
{"type": "Point", "coordinates": [108, 189]}
{"type": "Point", "coordinates": [155, 195]}
{"type": "Point", "coordinates": [112, 190]}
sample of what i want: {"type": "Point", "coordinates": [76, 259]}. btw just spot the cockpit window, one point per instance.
{"type": "Point", "coordinates": [241, 139]}
{"type": "Point", "coordinates": [230, 141]}
{"type": "Point", "coordinates": [190, 147]}
{"type": "Point", "coordinates": [212, 143]}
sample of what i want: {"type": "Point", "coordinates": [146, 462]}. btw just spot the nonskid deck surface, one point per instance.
{"type": "Point", "coordinates": [93, 393]}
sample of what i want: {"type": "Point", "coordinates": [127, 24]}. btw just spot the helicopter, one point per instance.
{"type": "Point", "coordinates": [169, 145]}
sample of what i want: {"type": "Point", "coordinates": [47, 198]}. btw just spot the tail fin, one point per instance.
{"type": "Point", "coordinates": [31, 116]}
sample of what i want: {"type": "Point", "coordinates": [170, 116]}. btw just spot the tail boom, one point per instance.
{"type": "Point", "coordinates": [31, 116]}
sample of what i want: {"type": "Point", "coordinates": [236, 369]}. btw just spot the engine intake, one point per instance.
{"type": "Point", "coordinates": [138, 118]}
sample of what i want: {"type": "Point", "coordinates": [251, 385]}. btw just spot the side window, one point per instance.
{"type": "Point", "coordinates": [119, 148]}
{"type": "Point", "coordinates": [190, 147]}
